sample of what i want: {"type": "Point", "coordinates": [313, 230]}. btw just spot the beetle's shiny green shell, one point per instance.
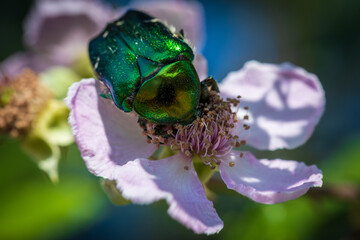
{"type": "Point", "coordinates": [170, 95]}
{"type": "Point", "coordinates": [147, 68]}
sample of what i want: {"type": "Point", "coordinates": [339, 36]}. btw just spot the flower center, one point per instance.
{"type": "Point", "coordinates": [210, 136]}
{"type": "Point", "coordinates": [21, 99]}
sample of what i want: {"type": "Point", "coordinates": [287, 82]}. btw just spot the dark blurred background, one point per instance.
{"type": "Point", "coordinates": [322, 36]}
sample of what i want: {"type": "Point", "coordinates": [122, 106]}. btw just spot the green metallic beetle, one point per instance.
{"type": "Point", "coordinates": [148, 69]}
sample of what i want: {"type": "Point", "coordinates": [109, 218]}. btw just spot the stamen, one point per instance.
{"type": "Point", "coordinates": [24, 98]}
{"type": "Point", "coordinates": [212, 135]}
{"type": "Point", "coordinates": [246, 127]}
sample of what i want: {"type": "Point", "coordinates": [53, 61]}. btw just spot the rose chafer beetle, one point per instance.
{"type": "Point", "coordinates": [148, 68]}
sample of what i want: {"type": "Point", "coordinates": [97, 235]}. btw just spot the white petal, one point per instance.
{"type": "Point", "coordinates": [144, 181]}
{"type": "Point", "coordinates": [268, 181]}
{"type": "Point", "coordinates": [107, 137]}
{"type": "Point", "coordinates": [285, 103]}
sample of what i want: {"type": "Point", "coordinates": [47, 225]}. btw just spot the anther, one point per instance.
{"type": "Point", "coordinates": [186, 168]}
{"type": "Point", "coordinates": [246, 127]}
{"type": "Point", "coordinates": [231, 164]}
{"type": "Point", "coordinates": [241, 154]}
{"type": "Point", "coordinates": [208, 136]}
{"type": "Point", "coordinates": [25, 98]}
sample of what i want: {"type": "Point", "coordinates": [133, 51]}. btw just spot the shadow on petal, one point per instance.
{"type": "Point", "coordinates": [285, 103]}
{"type": "Point", "coordinates": [175, 180]}
{"type": "Point", "coordinates": [269, 181]}
{"type": "Point", "coordinates": [107, 137]}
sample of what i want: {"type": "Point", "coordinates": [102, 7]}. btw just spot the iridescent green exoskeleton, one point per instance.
{"type": "Point", "coordinates": [147, 68]}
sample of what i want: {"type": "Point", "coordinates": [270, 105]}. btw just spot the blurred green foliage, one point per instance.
{"type": "Point", "coordinates": [31, 207]}
{"type": "Point", "coordinates": [344, 164]}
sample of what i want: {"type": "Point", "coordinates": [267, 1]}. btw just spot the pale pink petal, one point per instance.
{"type": "Point", "coordinates": [62, 29]}
{"type": "Point", "coordinates": [285, 103]}
{"type": "Point", "coordinates": [13, 65]}
{"type": "Point", "coordinates": [144, 181]}
{"type": "Point", "coordinates": [112, 146]}
{"type": "Point", "coordinates": [107, 137]}
{"type": "Point", "coordinates": [185, 15]}
{"type": "Point", "coordinates": [201, 66]}
{"type": "Point", "coordinates": [268, 181]}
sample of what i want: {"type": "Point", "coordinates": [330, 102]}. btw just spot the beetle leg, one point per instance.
{"type": "Point", "coordinates": [106, 94]}
{"type": "Point", "coordinates": [180, 34]}
{"type": "Point", "coordinates": [128, 103]}
{"type": "Point", "coordinates": [211, 83]}
{"type": "Point", "coordinates": [162, 130]}
{"type": "Point", "coordinates": [206, 87]}
{"type": "Point", "coordinates": [142, 122]}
